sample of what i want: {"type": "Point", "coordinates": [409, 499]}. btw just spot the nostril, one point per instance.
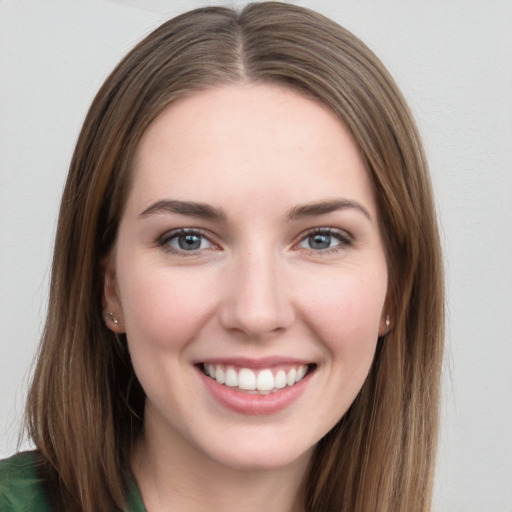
{"type": "Point", "coordinates": [256, 303]}
{"type": "Point", "coordinates": [256, 322]}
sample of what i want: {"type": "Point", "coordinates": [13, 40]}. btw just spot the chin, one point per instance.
{"type": "Point", "coordinates": [260, 456]}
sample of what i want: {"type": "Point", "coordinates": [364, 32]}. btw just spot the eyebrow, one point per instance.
{"type": "Point", "coordinates": [324, 207]}
{"type": "Point", "coordinates": [192, 209]}
{"type": "Point", "coordinates": [206, 211]}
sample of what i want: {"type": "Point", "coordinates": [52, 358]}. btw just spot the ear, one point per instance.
{"type": "Point", "coordinates": [112, 309]}
{"type": "Point", "coordinates": [385, 323]}
{"type": "Point", "coordinates": [386, 317]}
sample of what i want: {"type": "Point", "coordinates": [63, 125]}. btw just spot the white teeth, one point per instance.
{"type": "Point", "coordinates": [280, 379]}
{"type": "Point", "coordinates": [246, 379]}
{"type": "Point", "coordinates": [219, 375]}
{"type": "Point", "coordinates": [231, 378]}
{"type": "Point", "coordinates": [265, 381]}
{"type": "Point", "coordinates": [301, 372]}
{"type": "Point", "coordinates": [249, 380]}
{"type": "Point", "coordinates": [290, 377]}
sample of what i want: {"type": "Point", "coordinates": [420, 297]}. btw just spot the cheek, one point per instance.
{"type": "Point", "coordinates": [347, 313]}
{"type": "Point", "coordinates": [163, 308]}
{"type": "Point", "coordinates": [345, 319]}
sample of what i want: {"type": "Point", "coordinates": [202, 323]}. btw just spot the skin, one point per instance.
{"type": "Point", "coordinates": [256, 287]}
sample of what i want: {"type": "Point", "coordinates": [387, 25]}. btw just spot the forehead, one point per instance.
{"type": "Point", "coordinates": [248, 138]}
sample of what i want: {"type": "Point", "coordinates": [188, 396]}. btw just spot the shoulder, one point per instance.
{"type": "Point", "coordinates": [20, 485]}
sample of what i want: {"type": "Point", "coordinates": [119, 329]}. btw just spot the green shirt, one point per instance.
{"type": "Point", "coordinates": [21, 489]}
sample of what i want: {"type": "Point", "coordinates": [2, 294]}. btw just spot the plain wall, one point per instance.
{"type": "Point", "coordinates": [453, 61]}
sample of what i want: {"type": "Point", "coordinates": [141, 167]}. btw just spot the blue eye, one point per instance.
{"type": "Point", "coordinates": [325, 239]}
{"type": "Point", "coordinates": [184, 240]}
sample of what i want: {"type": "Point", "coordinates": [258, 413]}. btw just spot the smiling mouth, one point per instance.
{"type": "Point", "coordinates": [260, 382]}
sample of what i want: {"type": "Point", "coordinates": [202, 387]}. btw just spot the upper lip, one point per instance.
{"type": "Point", "coordinates": [258, 363]}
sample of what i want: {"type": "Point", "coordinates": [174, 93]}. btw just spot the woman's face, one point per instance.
{"type": "Point", "coordinates": [249, 275]}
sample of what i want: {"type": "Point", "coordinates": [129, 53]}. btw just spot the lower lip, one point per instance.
{"type": "Point", "coordinates": [256, 405]}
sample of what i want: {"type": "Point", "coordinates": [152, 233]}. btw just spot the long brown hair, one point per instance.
{"type": "Point", "coordinates": [85, 405]}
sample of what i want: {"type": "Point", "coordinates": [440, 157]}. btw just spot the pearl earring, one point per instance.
{"type": "Point", "coordinates": [388, 322]}
{"type": "Point", "coordinates": [113, 318]}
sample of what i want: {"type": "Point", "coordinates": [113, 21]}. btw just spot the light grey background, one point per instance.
{"type": "Point", "coordinates": [453, 61]}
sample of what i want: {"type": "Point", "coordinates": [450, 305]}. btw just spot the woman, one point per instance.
{"type": "Point", "coordinates": [246, 304]}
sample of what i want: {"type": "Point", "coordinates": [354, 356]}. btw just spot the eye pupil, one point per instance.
{"type": "Point", "coordinates": [319, 241]}
{"type": "Point", "coordinates": [189, 242]}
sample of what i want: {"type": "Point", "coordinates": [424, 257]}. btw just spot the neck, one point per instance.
{"type": "Point", "coordinates": [174, 476]}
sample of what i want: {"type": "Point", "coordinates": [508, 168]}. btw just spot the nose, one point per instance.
{"type": "Point", "coordinates": [256, 303]}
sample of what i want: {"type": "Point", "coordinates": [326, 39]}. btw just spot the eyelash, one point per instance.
{"type": "Point", "coordinates": [164, 241]}
{"type": "Point", "coordinates": [345, 240]}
